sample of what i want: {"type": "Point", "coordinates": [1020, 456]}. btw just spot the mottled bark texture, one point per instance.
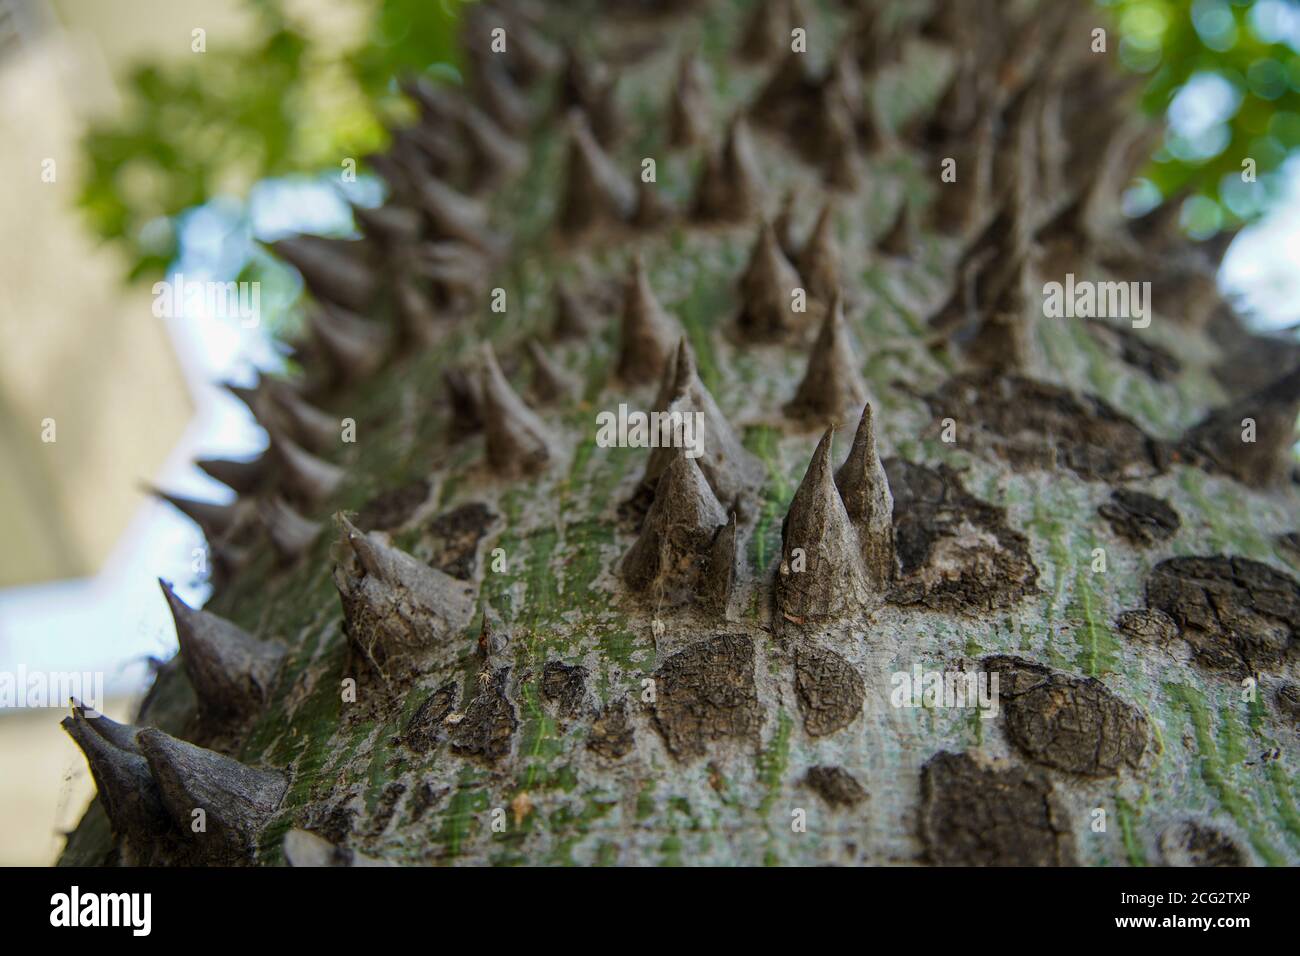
{"type": "Point", "coordinates": [520, 645]}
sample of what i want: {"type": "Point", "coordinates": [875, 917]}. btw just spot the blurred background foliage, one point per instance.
{"type": "Point", "coordinates": [1227, 73]}
{"type": "Point", "coordinates": [209, 128]}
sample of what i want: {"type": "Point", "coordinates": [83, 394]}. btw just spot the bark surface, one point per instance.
{"type": "Point", "coordinates": [518, 699]}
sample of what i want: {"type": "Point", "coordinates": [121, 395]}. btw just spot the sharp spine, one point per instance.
{"type": "Point", "coordinates": [215, 520]}
{"type": "Point", "coordinates": [517, 441]}
{"type": "Point", "coordinates": [730, 187]}
{"type": "Point", "coordinates": [232, 672]}
{"type": "Point", "coordinates": [648, 336]}
{"type": "Point", "coordinates": [819, 263]}
{"type": "Point", "coordinates": [731, 470]}
{"type": "Point", "coordinates": [237, 801]}
{"type": "Point", "coordinates": [395, 605]}
{"type": "Point", "coordinates": [551, 382]}
{"type": "Point", "coordinates": [767, 291]}
{"type": "Point", "coordinates": [303, 476]}
{"type": "Point", "coordinates": [333, 272]}
{"type": "Point", "coordinates": [354, 347]}
{"type": "Point", "coordinates": [670, 559]}
{"type": "Point", "coordinates": [126, 788]}
{"type": "Point", "coordinates": [243, 476]}
{"type": "Point", "coordinates": [596, 192]}
{"type": "Point", "coordinates": [291, 534]}
{"type": "Point", "coordinates": [832, 387]}
{"type": "Point", "coordinates": [821, 576]}
{"type": "Point", "coordinates": [869, 503]}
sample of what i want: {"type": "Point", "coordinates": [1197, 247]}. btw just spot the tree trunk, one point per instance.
{"type": "Point", "coordinates": [491, 629]}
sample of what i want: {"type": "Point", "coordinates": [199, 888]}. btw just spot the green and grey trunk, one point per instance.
{"type": "Point", "coordinates": [480, 634]}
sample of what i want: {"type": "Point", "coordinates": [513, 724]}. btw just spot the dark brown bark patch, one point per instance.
{"type": "Point", "coordinates": [830, 691]}
{"type": "Point", "coordinates": [836, 786]}
{"type": "Point", "coordinates": [972, 815]}
{"type": "Point", "coordinates": [1140, 518]}
{"type": "Point", "coordinates": [706, 693]}
{"type": "Point", "coordinates": [1149, 625]}
{"type": "Point", "coordinates": [393, 508]}
{"type": "Point", "coordinates": [565, 686]}
{"type": "Point", "coordinates": [425, 728]}
{"type": "Point", "coordinates": [1288, 701]}
{"type": "Point", "coordinates": [955, 552]}
{"type": "Point", "coordinates": [1238, 615]}
{"type": "Point", "coordinates": [489, 723]}
{"type": "Point", "coordinates": [611, 732]}
{"type": "Point", "coordinates": [456, 536]}
{"type": "Point", "coordinates": [333, 821]}
{"type": "Point", "coordinates": [1070, 723]}
{"type": "Point", "coordinates": [1194, 844]}
{"type": "Point", "coordinates": [1032, 424]}
{"type": "Point", "coordinates": [423, 797]}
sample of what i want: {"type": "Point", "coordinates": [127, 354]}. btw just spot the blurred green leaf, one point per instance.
{"type": "Point", "coordinates": [217, 122]}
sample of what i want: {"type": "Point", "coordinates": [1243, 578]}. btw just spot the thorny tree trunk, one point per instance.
{"type": "Point", "coordinates": [521, 645]}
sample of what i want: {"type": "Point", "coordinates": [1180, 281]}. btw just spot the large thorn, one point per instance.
{"type": "Point", "coordinates": [819, 263]}
{"type": "Point", "coordinates": [957, 204]}
{"type": "Point", "coordinates": [416, 315]}
{"type": "Point", "coordinates": [355, 348]}
{"type": "Point", "coordinates": [574, 318]}
{"type": "Point", "coordinates": [730, 186]}
{"type": "Point", "coordinates": [768, 290]}
{"type": "Point", "coordinates": [832, 388]}
{"type": "Point", "coordinates": [237, 801]}
{"type": "Point", "coordinates": [212, 518]}
{"type": "Point", "coordinates": [121, 736]}
{"type": "Point", "coordinates": [588, 86]}
{"type": "Point", "coordinates": [731, 471]}
{"type": "Point", "coordinates": [551, 382]}
{"type": "Point", "coordinates": [723, 562]}
{"type": "Point", "coordinates": [784, 224]}
{"type": "Point", "coordinates": [821, 574]}
{"type": "Point", "coordinates": [1002, 340]}
{"type": "Point", "coordinates": [232, 672]}
{"type": "Point", "coordinates": [303, 476]}
{"type": "Point", "coordinates": [305, 423]}
{"type": "Point", "coordinates": [647, 335]}
{"type": "Point", "coordinates": [332, 272]}
{"type": "Point", "coordinates": [455, 216]}
{"type": "Point", "coordinates": [869, 503]}
{"type": "Point", "coordinates": [493, 88]}
{"type": "Point", "coordinates": [395, 605]}
{"type": "Point", "coordinates": [900, 239]}
{"type": "Point", "coordinates": [839, 147]}
{"type": "Point", "coordinates": [291, 534]}
{"type": "Point", "coordinates": [126, 789]}
{"type": "Point", "coordinates": [464, 389]}
{"type": "Point", "coordinates": [767, 31]}
{"type": "Point", "coordinates": [652, 208]}
{"type": "Point", "coordinates": [595, 192]}
{"type": "Point", "coordinates": [517, 441]}
{"type": "Point", "coordinates": [784, 100]}
{"type": "Point", "coordinates": [392, 224]}
{"type": "Point", "coordinates": [497, 157]}
{"type": "Point", "coordinates": [688, 116]}
{"type": "Point", "coordinates": [671, 559]}
{"type": "Point", "coordinates": [243, 476]}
